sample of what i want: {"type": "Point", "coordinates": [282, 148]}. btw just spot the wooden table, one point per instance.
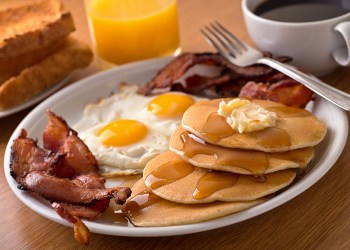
{"type": "Point", "coordinates": [317, 219]}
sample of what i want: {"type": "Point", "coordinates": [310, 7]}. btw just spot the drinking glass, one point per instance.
{"type": "Point", "coordinates": [128, 30]}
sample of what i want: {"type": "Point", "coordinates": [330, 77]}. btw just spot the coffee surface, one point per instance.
{"type": "Point", "coordinates": [299, 11]}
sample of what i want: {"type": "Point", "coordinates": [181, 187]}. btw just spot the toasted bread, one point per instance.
{"type": "Point", "coordinates": [12, 66]}
{"type": "Point", "coordinates": [33, 80]}
{"type": "Point", "coordinates": [31, 27]}
{"type": "Point", "coordinates": [30, 33]}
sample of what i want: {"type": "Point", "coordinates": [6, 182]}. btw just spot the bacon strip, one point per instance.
{"type": "Point", "coordinates": [254, 90]}
{"type": "Point", "coordinates": [196, 82]}
{"type": "Point", "coordinates": [81, 232]}
{"type": "Point", "coordinates": [90, 181]}
{"type": "Point", "coordinates": [180, 65]}
{"type": "Point", "coordinates": [287, 91]}
{"type": "Point", "coordinates": [64, 190]}
{"type": "Point", "coordinates": [66, 211]}
{"type": "Point", "coordinates": [60, 138]}
{"type": "Point", "coordinates": [233, 81]}
{"type": "Point", "coordinates": [26, 156]}
{"type": "Point", "coordinates": [290, 93]}
{"type": "Point", "coordinates": [64, 172]}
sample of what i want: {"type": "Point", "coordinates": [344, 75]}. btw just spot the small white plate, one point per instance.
{"type": "Point", "coordinates": [41, 96]}
{"type": "Point", "coordinates": [70, 101]}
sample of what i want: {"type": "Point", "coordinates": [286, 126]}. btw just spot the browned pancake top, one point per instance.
{"type": "Point", "coordinates": [206, 155]}
{"type": "Point", "coordinates": [174, 179]}
{"type": "Point", "coordinates": [295, 128]}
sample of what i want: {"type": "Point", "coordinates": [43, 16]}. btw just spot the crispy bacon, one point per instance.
{"type": "Point", "coordinates": [254, 90]}
{"type": "Point", "coordinates": [90, 181]}
{"type": "Point", "coordinates": [288, 92]}
{"type": "Point", "coordinates": [55, 133]}
{"type": "Point", "coordinates": [180, 65]}
{"type": "Point", "coordinates": [256, 81]}
{"type": "Point", "coordinates": [60, 138]}
{"type": "Point", "coordinates": [64, 172]}
{"type": "Point", "coordinates": [277, 77]}
{"type": "Point", "coordinates": [203, 85]}
{"type": "Point", "coordinates": [26, 156]}
{"type": "Point", "coordinates": [230, 89]}
{"type": "Point", "coordinates": [79, 160]}
{"type": "Point", "coordinates": [81, 232]}
{"type": "Point", "coordinates": [196, 83]}
{"type": "Point", "coordinates": [84, 212]}
{"type": "Point", "coordinates": [65, 190]}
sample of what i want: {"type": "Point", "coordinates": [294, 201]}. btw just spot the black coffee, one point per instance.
{"type": "Point", "coordinates": [301, 10]}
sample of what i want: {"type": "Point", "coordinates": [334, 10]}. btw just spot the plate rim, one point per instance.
{"type": "Point", "coordinates": [111, 229]}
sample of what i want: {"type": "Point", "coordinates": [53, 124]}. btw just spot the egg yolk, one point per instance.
{"type": "Point", "coordinates": [122, 132]}
{"type": "Point", "coordinates": [170, 105]}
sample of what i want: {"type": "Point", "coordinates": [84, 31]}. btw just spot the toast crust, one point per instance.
{"type": "Point", "coordinates": [12, 66]}
{"type": "Point", "coordinates": [31, 27]}
{"type": "Point", "coordinates": [35, 79]}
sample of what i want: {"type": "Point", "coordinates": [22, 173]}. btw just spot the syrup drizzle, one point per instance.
{"type": "Point", "coordinates": [286, 111]}
{"type": "Point", "coordinates": [119, 217]}
{"type": "Point", "coordinates": [141, 201]}
{"type": "Point", "coordinates": [216, 127]}
{"type": "Point", "coordinates": [255, 162]}
{"type": "Point", "coordinates": [213, 181]}
{"type": "Point", "coordinates": [272, 137]}
{"type": "Point", "coordinates": [168, 173]}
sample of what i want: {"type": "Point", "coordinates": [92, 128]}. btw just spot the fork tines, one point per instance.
{"type": "Point", "coordinates": [222, 39]}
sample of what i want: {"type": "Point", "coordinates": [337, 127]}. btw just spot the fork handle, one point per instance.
{"type": "Point", "coordinates": [335, 96]}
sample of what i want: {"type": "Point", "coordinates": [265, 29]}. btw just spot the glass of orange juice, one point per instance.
{"type": "Point", "coordinates": [130, 30]}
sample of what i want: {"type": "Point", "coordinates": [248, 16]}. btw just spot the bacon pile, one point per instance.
{"type": "Point", "coordinates": [64, 172]}
{"type": "Point", "coordinates": [256, 81]}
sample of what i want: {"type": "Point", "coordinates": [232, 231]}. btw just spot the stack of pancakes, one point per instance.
{"type": "Point", "coordinates": [211, 170]}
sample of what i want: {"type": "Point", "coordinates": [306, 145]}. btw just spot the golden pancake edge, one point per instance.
{"type": "Point", "coordinates": [206, 155]}
{"type": "Point", "coordinates": [173, 179]}
{"type": "Point", "coordinates": [295, 128]}
{"type": "Point", "coordinates": [145, 209]}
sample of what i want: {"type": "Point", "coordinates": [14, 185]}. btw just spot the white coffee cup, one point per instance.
{"type": "Point", "coordinates": [318, 47]}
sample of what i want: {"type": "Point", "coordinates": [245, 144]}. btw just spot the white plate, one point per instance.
{"type": "Point", "coordinates": [70, 101]}
{"type": "Point", "coordinates": [35, 99]}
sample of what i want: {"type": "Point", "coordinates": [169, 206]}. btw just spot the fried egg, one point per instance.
{"type": "Point", "coordinates": [126, 130]}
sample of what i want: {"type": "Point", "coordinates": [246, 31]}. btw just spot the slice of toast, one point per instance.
{"type": "Point", "coordinates": [35, 79]}
{"type": "Point", "coordinates": [12, 66]}
{"type": "Point", "coordinates": [32, 26]}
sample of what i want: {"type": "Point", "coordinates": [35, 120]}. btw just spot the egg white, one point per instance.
{"type": "Point", "coordinates": [126, 104]}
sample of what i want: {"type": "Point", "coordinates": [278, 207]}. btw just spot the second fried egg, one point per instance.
{"type": "Point", "coordinates": [127, 130]}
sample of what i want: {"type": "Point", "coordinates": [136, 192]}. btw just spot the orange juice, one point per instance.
{"type": "Point", "coordinates": [129, 30]}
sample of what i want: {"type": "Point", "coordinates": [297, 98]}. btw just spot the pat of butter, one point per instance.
{"type": "Point", "coordinates": [244, 116]}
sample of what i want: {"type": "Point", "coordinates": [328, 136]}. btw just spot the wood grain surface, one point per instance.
{"type": "Point", "coordinates": [317, 219]}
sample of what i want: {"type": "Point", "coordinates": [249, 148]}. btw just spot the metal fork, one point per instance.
{"type": "Point", "coordinates": [241, 54]}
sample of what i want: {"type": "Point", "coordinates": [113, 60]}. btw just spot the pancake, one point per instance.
{"type": "Point", "coordinates": [240, 161]}
{"type": "Point", "coordinates": [145, 209]}
{"type": "Point", "coordinates": [295, 128]}
{"type": "Point", "coordinates": [174, 179]}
